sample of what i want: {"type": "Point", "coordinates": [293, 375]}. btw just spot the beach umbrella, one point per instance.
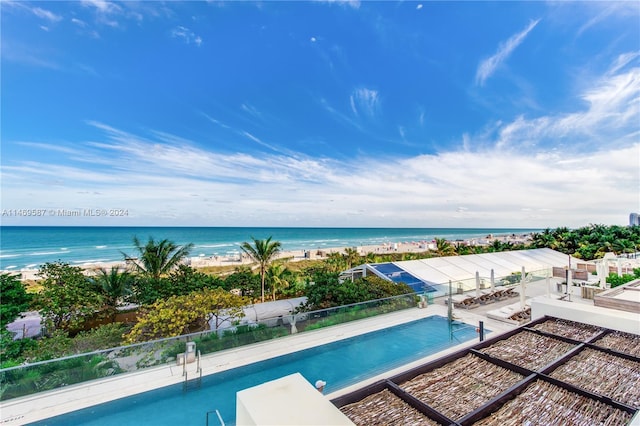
{"type": "Point", "coordinates": [522, 290]}
{"type": "Point", "coordinates": [477, 284]}
{"type": "Point", "coordinates": [603, 273]}
{"type": "Point", "coordinates": [493, 281]}
{"type": "Point", "coordinates": [547, 280]}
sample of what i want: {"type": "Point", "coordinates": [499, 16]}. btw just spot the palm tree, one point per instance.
{"type": "Point", "coordinates": [116, 287]}
{"type": "Point", "coordinates": [462, 249]}
{"type": "Point", "coordinates": [351, 256]}
{"type": "Point", "coordinates": [279, 277]}
{"type": "Point", "coordinates": [444, 248]}
{"type": "Point", "coordinates": [371, 257]}
{"type": "Point", "coordinates": [157, 258]}
{"type": "Point", "coordinates": [262, 252]}
{"type": "Point", "coordinates": [544, 239]}
{"type": "Point", "coordinates": [336, 261]}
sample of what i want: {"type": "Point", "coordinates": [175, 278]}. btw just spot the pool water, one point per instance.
{"type": "Point", "coordinates": [340, 364]}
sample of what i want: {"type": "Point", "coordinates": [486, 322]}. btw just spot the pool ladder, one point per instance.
{"type": "Point", "coordinates": [198, 373]}
{"type": "Point", "coordinates": [219, 417]}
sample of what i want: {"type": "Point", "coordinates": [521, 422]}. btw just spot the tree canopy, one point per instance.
{"type": "Point", "coordinates": [14, 299]}
{"type": "Point", "coordinates": [589, 242]}
{"type": "Point", "coordinates": [67, 298]}
{"type": "Point", "coordinates": [186, 314]}
{"type": "Point", "coordinates": [325, 290]}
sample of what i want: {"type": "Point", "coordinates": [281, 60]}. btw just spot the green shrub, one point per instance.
{"type": "Point", "coordinates": [616, 280]}
{"type": "Point", "coordinates": [39, 378]}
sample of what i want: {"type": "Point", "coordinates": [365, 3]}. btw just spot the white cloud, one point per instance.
{"type": "Point", "coordinates": [116, 14]}
{"type": "Point", "coordinates": [343, 118]}
{"type": "Point", "coordinates": [622, 61]}
{"type": "Point", "coordinates": [419, 6]}
{"type": "Point", "coordinates": [364, 100]}
{"type": "Point", "coordinates": [28, 55]}
{"type": "Point", "coordinates": [258, 140]}
{"type": "Point", "coordinates": [46, 14]}
{"type": "Point", "coordinates": [186, 35]}
{"type": "Point", "coordinates": [37, 11]}
{"type": "Point", "coordinates": [604, 10]}
{"type": "Point", "coordinates": [612, 112]}
{"type": "Point", "coordinates": [488, 66]}
{"type": "Point", "coordinates": [102, 6]}
{"type": "Point", "coordinates": [355, 4]}
{"type": "Point", "coordinates": [252, 110]}
{"type": "Point", "coordinates": [79, 22]}
{"type": "Point", "coordinates": [155, 177]}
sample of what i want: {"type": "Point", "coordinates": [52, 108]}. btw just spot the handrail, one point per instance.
{"type": "Point", "coordinates": [219, 417]}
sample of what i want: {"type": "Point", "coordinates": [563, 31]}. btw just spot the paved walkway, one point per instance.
{"type": "Point", "coordinates": [23, 410]}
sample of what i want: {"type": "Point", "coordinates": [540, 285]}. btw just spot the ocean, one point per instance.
{"type": "Point", "coordinates": [27, 247]}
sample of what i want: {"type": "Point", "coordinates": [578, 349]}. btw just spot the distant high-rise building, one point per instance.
{"type": "Point", "coordinates": [634, 219]}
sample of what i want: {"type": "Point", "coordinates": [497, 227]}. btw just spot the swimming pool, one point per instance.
{"type": "Point", "coordinates": [340, 364]}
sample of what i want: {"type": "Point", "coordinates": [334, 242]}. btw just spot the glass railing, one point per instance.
{"type": "Point", "coordinates": [47, 375]}
{"type": "Point", "coordinates": [469, 285]}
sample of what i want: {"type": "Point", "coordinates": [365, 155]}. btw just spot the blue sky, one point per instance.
{"type": "Point", "coordinates": [321, 113]}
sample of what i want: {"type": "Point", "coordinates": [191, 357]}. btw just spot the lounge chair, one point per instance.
{"type": "Point", "coordinates": [486, 297]}
{"type": "Point", "coordinates": [463, 301]}
{"type": "Point", "coordinates": [499, 294]}
{"type": "Point", "coordinates": [510, 293]}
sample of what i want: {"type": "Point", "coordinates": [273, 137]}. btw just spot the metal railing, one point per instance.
{"type": "Point", "coordinates": [468, 285]}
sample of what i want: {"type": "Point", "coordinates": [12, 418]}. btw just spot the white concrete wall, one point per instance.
{"type": "Point", "coordinates": [290, 400]}
{"type": "Point", "coordinates": [608, 318]}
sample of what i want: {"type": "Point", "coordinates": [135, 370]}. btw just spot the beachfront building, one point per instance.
{"type": "Point", "coordinates": [634, 219]}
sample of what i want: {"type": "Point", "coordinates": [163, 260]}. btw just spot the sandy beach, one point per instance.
{"type": "Point", "coordinates": [299, 255]}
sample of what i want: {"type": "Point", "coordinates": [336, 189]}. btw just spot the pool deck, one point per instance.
{"type": "Point", "coordinates": [43, 405]}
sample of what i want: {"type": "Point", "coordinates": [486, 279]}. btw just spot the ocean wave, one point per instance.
{"type": "Point", "coordinates": [220, 245]}
{"type": "Point", "coordinates": [44, 253]}
{"type": "Point", "coordinates": [31, 265]}
{"type": "Point", "coordinates": [6, 256]}
{"type": "Point", "coordinates": [101, 247]}
{"type": "Point", "coordinates": [10, 267]}
{"type": "Point", "coordinates": [82, 262]}
{"type": "Point", "coordinates": [325, 240]}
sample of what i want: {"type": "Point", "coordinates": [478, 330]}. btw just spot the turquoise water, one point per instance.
{"type": "Point", "coordinates": [340, 364]}
{"type": "Point", "coordinates": [30, 246]}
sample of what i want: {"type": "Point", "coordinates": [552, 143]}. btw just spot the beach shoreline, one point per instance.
{"type": "Point", "coordinates": [30, 274]}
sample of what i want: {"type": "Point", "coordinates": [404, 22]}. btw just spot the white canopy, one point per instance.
{"type": "Point", "coordinates": [441, 270]}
